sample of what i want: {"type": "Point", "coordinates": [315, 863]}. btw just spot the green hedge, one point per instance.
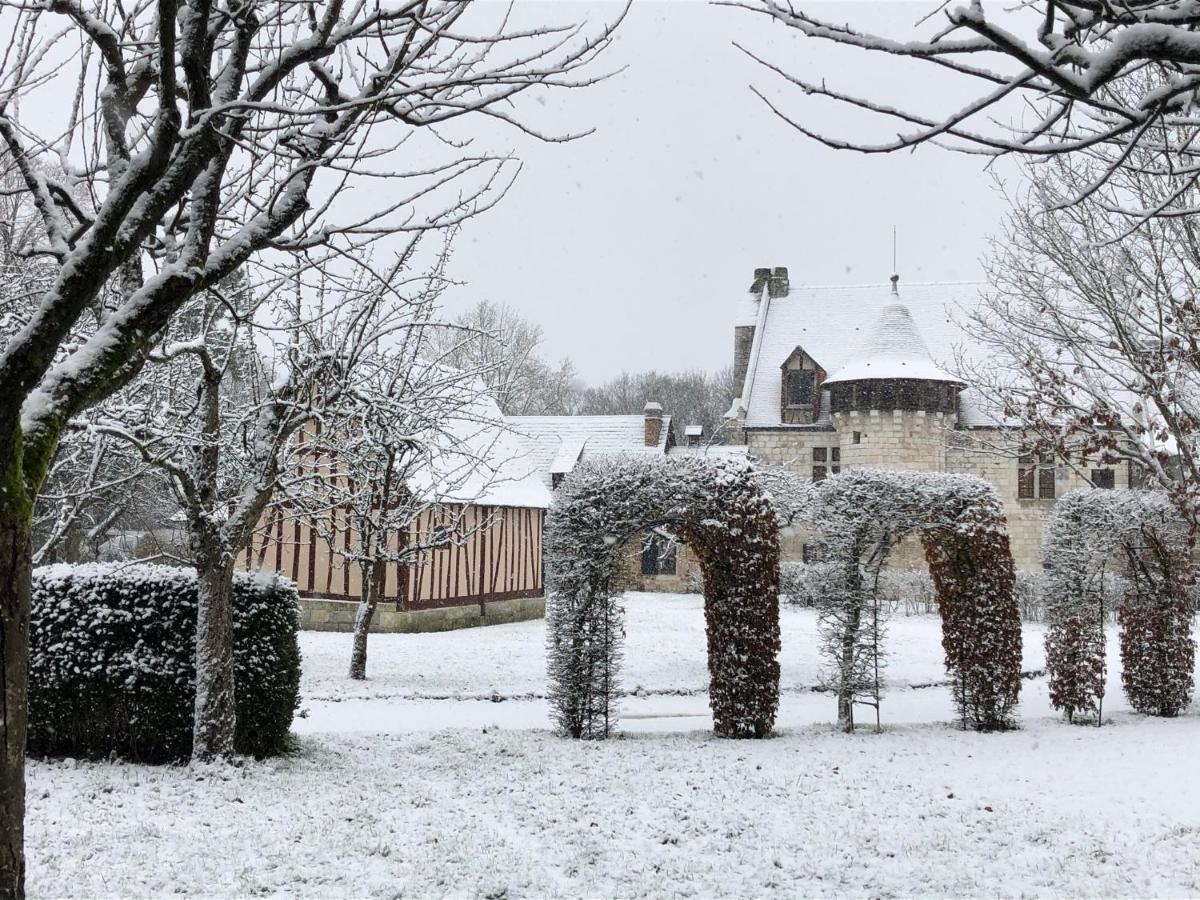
{"type": "Point", "coordinates": [112, 662]}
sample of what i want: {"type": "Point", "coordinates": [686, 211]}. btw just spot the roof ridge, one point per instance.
{"type": "Point", "coordinates": [882, 284]}
{"type": "Point", "coordinates": [573, 416]}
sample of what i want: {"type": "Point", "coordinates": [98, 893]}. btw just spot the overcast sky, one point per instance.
{"type": "Point", "coordinates": [629, 247]}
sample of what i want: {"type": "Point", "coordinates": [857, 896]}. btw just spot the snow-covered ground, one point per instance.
{"type": "Point", "coordinates": [438, 776]}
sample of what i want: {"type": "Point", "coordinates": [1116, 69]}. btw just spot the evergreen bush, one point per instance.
{"type": "Point", "coordinates": [112, 661]}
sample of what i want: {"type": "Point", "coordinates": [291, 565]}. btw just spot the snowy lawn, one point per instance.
{"type": "Point", "coordinates": [393, 792]}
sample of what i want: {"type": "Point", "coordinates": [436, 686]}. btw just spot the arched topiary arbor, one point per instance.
{"type": "Point", "coordinates": [730, 525]}
{"type": "Point", "coordinates": [1140, 537]}
{"type": "Point", "coordinates": [860, 516]}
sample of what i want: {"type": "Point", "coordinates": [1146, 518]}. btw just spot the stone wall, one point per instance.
{"type": "Point", "coordinates": [630, 577]}
{"type": "Point", "coordinates": [909, 440]}
{"type": "Point", "coordinates": [926, 442]}
{"type": "Point", "coordinates": [992, 454]}
{"type": "Point", "coordinates": [894, 439]}
{"type": "Point", "coordinates": [338, 615]}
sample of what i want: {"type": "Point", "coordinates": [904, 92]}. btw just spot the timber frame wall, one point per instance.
{"type": "Point", "coordinates": [496, 556]}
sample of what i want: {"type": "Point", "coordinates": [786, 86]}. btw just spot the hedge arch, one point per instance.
{"type": "Point", "coordinates": [1141, 537]}
{"type": "Point", "coordinates": [728, 521]}
{"type": "Point", "coordinates": [862, 514]}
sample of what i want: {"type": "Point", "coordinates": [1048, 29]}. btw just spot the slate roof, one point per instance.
{"type": "Point", "coordinates": [555, 444]}
{"type": "Point", "coordinates": [835, 324]}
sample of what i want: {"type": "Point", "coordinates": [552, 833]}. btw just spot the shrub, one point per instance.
{"type": "Point", "coordinates": [112, 661]}
{"type": "Point", "coordinates": [908, 591]}
{"type": "Point", "coordinates": [803, 584]}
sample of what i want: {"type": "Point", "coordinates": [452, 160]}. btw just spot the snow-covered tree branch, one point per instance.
{"type": "Point", "coordinates": [395, 460]}
{"type": "Point", "coordinates": [1052, 77]}
{"type": "Point", "coordinates": [197, 136]}
{"type": "Point", "coordinates": [1091, 326]}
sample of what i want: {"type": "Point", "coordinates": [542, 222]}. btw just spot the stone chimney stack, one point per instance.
{"type": "Point", "coordinates": [761, 277]}
{"type": "Point", "coordinates": [777, 284]}
{"type": "Point", "coordinates": [654, 420]}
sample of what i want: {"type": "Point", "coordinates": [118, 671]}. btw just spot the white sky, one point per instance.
{"type": "Point", "coordinates": [629, 247]}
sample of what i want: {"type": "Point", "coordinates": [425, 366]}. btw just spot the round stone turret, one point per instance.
{"type": "Point", "coordinates": [893, 371]}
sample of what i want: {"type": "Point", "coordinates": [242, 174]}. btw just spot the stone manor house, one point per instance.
{"type": "Point", "coordinates": [839, 377]}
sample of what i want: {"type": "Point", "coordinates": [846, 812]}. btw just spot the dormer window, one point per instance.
{"type": "Point", "coordinates": [800, 389]}
{"type": "Point", "coordinates": [800, 386]}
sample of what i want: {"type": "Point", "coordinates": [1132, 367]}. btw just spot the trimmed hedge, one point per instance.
{"type": "Point", "coordinates": [112, 661]}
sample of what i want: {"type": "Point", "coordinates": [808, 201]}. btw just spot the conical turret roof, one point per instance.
{"type": "Point", "coordinates": [894, 349]}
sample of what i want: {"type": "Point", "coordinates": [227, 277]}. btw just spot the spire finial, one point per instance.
{"type": "Point", "coordinates": [895, 273]}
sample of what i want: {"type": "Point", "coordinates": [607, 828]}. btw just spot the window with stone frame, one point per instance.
{"type": "Point", "coordinates": [820, 456]}
{"type": "Point", "coordinates": [1035, 476]}
{"type": "Point", "coordinates": [660, 554]}
{"type": "Point", "coordinates": [835, 459]}
{"type": "Point", "coordinates": [1046, 475]}
{"type": "Point", "coordinates": [1104, 478]}
{"type": "Point", "coordinates": [1026, 473]}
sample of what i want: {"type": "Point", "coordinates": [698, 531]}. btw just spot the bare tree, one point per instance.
{"type": "Point", "coordinates": [1052, 78]}
{"type": "Point", "coordinates": [215, 418]}
{"type": "Point", "coordinates": [200, 135]}
{"type": "Point", "coordinates": [96, 489]}
{"type": "Point", "coordinates": [495, 341]}
{"type": "Point", "coordinates": [692, 398]}
{"type": "Point", "coordinates": [400, 454]}
{"type": "Point", "coordinates": [1091, 328]}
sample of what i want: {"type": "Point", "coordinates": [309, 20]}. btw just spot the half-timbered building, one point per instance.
{"type": "Point", "coordinates": [483, 565]}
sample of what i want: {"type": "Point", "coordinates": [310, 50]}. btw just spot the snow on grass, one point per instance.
{"type": "Point", "coordinates": [1051, 810]}
{"type": "Point", "coordinates": [664, 651]}
{"type": "Point", "coordinates": [390, 794]}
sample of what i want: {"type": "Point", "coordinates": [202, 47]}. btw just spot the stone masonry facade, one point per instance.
{"type": "Point", "coordinates": [921, 442]}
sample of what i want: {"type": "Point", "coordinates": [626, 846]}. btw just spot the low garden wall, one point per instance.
{"type": "Point", "coordinates": [338, 615]}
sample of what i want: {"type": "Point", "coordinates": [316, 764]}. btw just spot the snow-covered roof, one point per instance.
{"type": "Point", "coordinates": [482, 460]}
{"type": "Point", "coordinates": [893, 349]}
{"type": "Point", "coordinates": [555, 444]}
{"type": "Point", "coordinates": [693, 430]}
{"type": "Point", "coordinates": [834, 323]}
{"type": "Point", "coordinates": [712, 451]}
{"type": "Point", "coordinates": [569, 452]}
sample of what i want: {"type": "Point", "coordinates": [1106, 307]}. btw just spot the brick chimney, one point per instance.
{"type": "Point", "coordinates": [653, 417]}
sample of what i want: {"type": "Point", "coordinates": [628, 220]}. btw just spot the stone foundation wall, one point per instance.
{"type": "Point", "coordinates": [338, 615]}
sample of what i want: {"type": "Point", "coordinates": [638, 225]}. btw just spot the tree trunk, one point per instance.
{"type": "Point", "coordinates": [15, 576]}
{"type": "Point", "coordinates": [362, 625]}
{"type": "Point", "coordinates": [215, 713]}
{"type": "Point", "coordinates": [848, 665]}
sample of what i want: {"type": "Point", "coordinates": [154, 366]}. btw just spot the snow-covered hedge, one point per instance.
{"type": "Point", "coordinates": [860, 515]}
{"type": "Point", "coordinates": [719, 509]}
{"type": "Point", "coordinates": [112, 667]}
{"type": "Point", "coordinates": [1141, 537]}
